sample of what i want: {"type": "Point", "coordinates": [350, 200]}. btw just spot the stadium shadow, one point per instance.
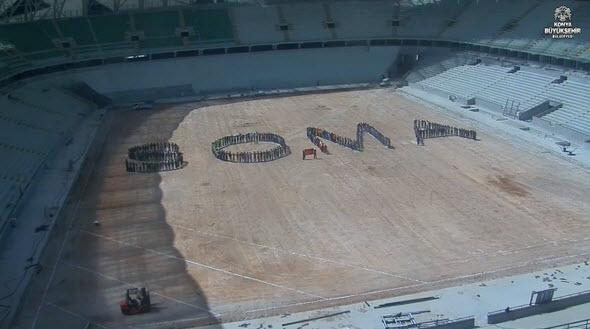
{"type": "Point", "coordinates": [130, 244]}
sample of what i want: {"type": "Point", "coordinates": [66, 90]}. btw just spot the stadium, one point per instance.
{"type": "Point", "coordinates": [193, 164]}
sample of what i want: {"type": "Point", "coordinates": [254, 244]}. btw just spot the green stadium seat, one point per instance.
{"type": "Point", "coordinates": [120, 46]}
{"type": "Point", "coordinates": [159, 28]}
{"type": "Point", "coordinates": [78, 29]}
{"type": "Point", "coordinates": [35, 40]}
{"type": "Point", "coordinates": [48, 28]}
{"type": "Point", "coordinates": [161, 42]}
{"type": "Point", "coordinates": [211, 24]}
{"type": "Point", "coordinates": [157, 24]}
{"type": "Point", "coordinates": [27, 37]}
{"type": "Point", "coordinates": [87, 51]}
{"type": "Point", "coordinates": [110, 28]}
{"type": "Point", "coordinates": [55, 53]}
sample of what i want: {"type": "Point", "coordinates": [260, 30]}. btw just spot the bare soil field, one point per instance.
{"type": "Point", "coordinates": [221, 241]}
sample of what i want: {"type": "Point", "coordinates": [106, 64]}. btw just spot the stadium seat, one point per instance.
{"type": "Point", "coordinates": [159, 28]}
{"type": "Point", "coordinates": [209, 25]}
{"type": "Point", "coordinates": [110, 28]}
{"type": "Point", "coordinates": [28, 37]}
{"type": "Point", "coordinates": [78, 29]}
{"type": "Point", "coordinates": [33, 122]}
{"type": "Point", "coordinates": [307, 21]}
{"type": "Point", "coordinates": [256, 25]}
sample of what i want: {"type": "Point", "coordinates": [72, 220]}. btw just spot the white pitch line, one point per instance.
{"type": "Point", "coordinates": [61, 249]}
{"type": "Point", "coordinates": [174, 323]}
{"type": "Point", "coordinates": [190, 262]}
{"type": "Point", "coordinates": [106, 276]}
{"type": "Point", "coordinates": [474, 275]}
{"type": "Point", "coordinates": [376, 291]}
{"type": "Point", "coordinates": [540, 260]}
{"type": "Point", "coordinates": [53, 270]}
{"type": "Point", "coordinates": [323, 299]}
{"type": "Point", "coordinates": [76, 315]}
{"type": "Point", "coordinates": [59, 256]}
{"type": "Point", "coordinates": [297, 254]}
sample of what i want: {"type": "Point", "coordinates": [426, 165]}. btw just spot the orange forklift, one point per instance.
{"type": "Point", "coordinates": [137, 301]}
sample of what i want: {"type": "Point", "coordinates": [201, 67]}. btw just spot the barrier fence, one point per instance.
{"type": "Point", "coordinates": [582, 324]}
{"type": "Point", "coordinates": [521, 311]}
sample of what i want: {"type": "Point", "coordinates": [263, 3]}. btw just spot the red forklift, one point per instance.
{"type": "Point", "coordinates": [137, 301]}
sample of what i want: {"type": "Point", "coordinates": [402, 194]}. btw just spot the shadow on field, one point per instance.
{"type": "Point", "coordinates": [133, 246]}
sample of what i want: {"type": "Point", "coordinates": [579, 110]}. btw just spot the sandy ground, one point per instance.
{"type": "Point", "coordinates": [232, 241]}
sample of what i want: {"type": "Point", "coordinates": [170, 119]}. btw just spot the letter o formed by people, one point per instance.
{"type": "Point", "coordinates": [154, 157]}
{"type": "Point", "coordinates": [281, 149]}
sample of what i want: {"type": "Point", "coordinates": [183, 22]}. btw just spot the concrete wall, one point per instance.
{"type": "Point", "coordinates": [541, 108]}
{"type": "Point", "coordinates": [246, 71]}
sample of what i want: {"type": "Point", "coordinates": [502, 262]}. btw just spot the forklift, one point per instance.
{"type": "Point", "coordinates": [137, 301]}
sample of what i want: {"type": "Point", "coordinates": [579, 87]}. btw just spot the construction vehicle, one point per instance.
{"type": "Point", "coordinates": [137, 301]}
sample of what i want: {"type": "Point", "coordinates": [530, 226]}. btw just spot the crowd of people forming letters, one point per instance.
{"type": "Point", "coordinates": [426, 129]}
{"type": "Point", "coordinates": [154, 157]}
{"type": "Point", "coordinates": [279, 151]}
{"type": "Point", "coordinates": [164, 156]}
{"type": "Point", "coordinates": [314, 135]}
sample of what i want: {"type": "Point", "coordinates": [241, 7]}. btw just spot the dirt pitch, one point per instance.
{"type": "Point", "coordinates": [220, 241]}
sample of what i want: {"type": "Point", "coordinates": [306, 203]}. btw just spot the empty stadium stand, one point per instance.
{"type": "Point", "coordinates": [354, 19]}
{"type": "Point", "coordinates": [496, 86]}
{"type": "Point", "coordinates": [78, 29]}
{"type": "Point", "coordinates": [211, 26]}
{"type": "Point", "coordinates": [438, 15]}
{"type": "Point", "coordinates": [34, 122]}
{"type": "Point", "coordinates": [158, 29]}
{"type": "Point", "coordinates": [257, 25]}
{"type": "Point", "coordinates": [511, 28]}
{"type": "Point", "coordinates": [110, 29]}
{"type": "Point", "coordinates": [466, 80]}
{"type": "Point", "coordinates": [517, 33]}
{"type": "Point", "coordinates": [481, 20]}
{"type": "Point", "coordinates": [42, 42]}
{"type": "Point", "coordinates": [575, 113]}
{"type": "Point", "coordinates": [307, 21]}
{"type": "Point", "coordinates": [525, 87]}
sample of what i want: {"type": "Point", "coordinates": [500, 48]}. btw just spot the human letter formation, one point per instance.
{"type": "Point", "coordinates": [363, 127]}
{"type": "Point", "coordinates": [314, 135]}
{"type": "Point", "coordinates": [277, 152]}
{"type": "Point", "coordinates": [154, 157]}
{"type": "Point", "coordinates": [426, 129]}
